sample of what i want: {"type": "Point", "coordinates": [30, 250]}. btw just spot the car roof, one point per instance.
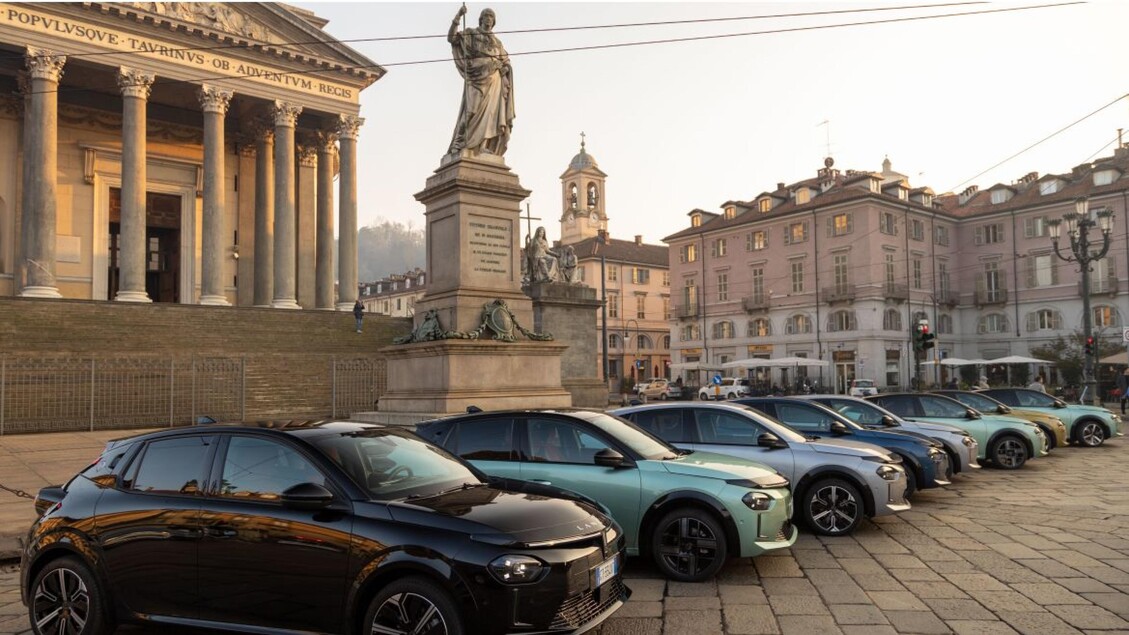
{"type": "Point", "coordinates": [581, 413]}
{"type": "Point", "coordinates": [303, 427]}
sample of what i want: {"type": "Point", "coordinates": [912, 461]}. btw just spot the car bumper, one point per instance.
{"type": "Point", "coordinates": [889, 496]}
{"type": "Point", "coordinates": [762, 531]}
{"type": "Point", "coordinates": [965, 454]}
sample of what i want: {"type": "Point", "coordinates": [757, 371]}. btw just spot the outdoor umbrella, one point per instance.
{"type": "Point", "coordinates": [1018, 359]}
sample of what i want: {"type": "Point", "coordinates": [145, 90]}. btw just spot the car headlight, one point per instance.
{"type": "Point", "coordinates": [511, 569]}
{"type": "Point", "coordinates": [968, 441]}
{"type": "Point", "coordinates": [936, 455]}
{"type": "Point", "coordinates": [888, 472]}
{"type": "Point", "coordinates": [757, 501]}
{"type": "Point", "coordinates": [610, 535]}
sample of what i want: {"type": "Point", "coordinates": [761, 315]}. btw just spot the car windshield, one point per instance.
{"type": "Point", "coordinates": [775, 426]}
{"type": "Point", "coordinates": [864, 383]}
{"type": "Point", "coordinates": [973, 400]}
{"type": "Point", "coordinates": [639, 440]}
{"type": "Point", "coordinates": [392, 465]}
{"type": "Point", "coordinates": [858, 411]}
{"type": "Point", "coordinates": [1034, 399]}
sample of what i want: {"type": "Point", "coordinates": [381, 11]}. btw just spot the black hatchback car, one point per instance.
{"type": "Point", "coordinates": [314, 527]}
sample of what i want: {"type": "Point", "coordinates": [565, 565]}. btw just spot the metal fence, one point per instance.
{"type": "Point", "coordinates": [50, 394]}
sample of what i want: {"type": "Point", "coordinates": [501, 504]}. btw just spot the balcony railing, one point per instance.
{"type": "Point", "coordinates": [896, 291]}
{"type": "Point", "coordinates": [686, 310]}
{"type": "Point", "coordinates": [839, 293]}
{"type": "Point", "coordinates": [948, 298]}
{"type": "Point", "coordinates": [1100, 285]}
{"type": "Point", "coordinates": [755, 302]}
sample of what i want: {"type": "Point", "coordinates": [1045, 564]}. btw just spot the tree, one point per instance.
{"type": "Point", "coordinates": [386, 247]}
{"type": "Point", "coordinates": [1066, 354]}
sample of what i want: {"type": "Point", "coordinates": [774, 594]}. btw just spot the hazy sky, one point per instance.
{"type": "Point", "coordinates": [693, 124]}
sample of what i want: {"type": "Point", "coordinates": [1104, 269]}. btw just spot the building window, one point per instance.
{"type": "Point", "coordinates": [1106, 317]}
{"type": "Point", "coordinates": [688, 253]}
{"type": "Point", "coordinates": [803, 195]}
{"type": "Point", "coordinates": [889, 264]}
{"type": "Point", "coordinates": [1001, 195]}
{"type": "Point", "coordinates": [990, 234]}
{"type": "Point", "coordinates": [613, 369]}
{"type": "Point", "coordinates": [759, 327]}
{"type": "Point", "coordinates": [666, 278]}
{"type": "Point", "coordinates": [1035, 227]}
{"type": "Point", "coordinates": [893, 367]}
{"type": "Point", "coordinates": [730, 212]}
{"type": "Point", "coordinates": [1050, 186]}
{"type": "Point", "coordinates": [917, 276]}
{"type": "Point", "coordinates": [945, 324]}
{"type": "Point", "coordinates": [640, 306]}
{"type": "Point", "coordinates": [666, 308]}
{"type": "Point", "coordinates": [690, 294]}
{"type": "Point", "coordinates": [1104, 177]}
{"type": "Point", "coordinates": [840, 224]}
{"type": "Point", "coordinates": [892, 320]}
{"type": "Point", "coordinates": [992, 323]}
{"type": "Point", "coordinates": [941, 236]}
{"type": "Point", "coordinates": [841, 269]}
{"type": "Point", "coordinates": [723, 330]}
{"type": "Point", "coordinates": [943, 279]}
{"type": "Point", "coordinates": [613, 305]}
{"type": "Point", "coordinates": [917, 229]}
{"type": "Point", "coordinates": [717, 250]}
{"type": "Point", "coordinates": [842, 321]}
{"type": "Point", "coordinates": [765, 205]}
{"type": "Point", "coordinates": [1044, 320]}
{"type": "Point", "coordinates": [887, 224]}
{"type": "Point", "coordinates": [640, 275]}
{"type": "Point", "coordinates": [755, 241]}
{"type": "Point", "coordinates": [690, 333]}
{"type": "Point", "coordinates": [696, 220]}
{"type": "Point", "coordinates": [797, 325]}
{"type": "Point", "coordinates": [613, 273]}
{"type": "Point", "coordinates": [613, 341]}
{"type": "Point", "coordinates": [795, 233]}
{"type": "Point", "coordinates": [722, 287]}
{"type": "Point", "coordinates": [1043, 271]}
{"type": "Point", "coordinates": [666, 343]}
{"type": "Point", "coordinates": [798, 276]}
{"type": "Point", "coordinates": [758, 283]}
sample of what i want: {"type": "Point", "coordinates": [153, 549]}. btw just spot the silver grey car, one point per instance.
{"type": "Point", "coordinates": [835, 483]}
{"type": "Point", "coordinates": [961, 447]}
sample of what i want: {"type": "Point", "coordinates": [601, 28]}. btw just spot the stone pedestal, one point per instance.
{"type": "Point", "coordinates": [568, 311]}
{"type": "Point", "coordinates": [473, 259]}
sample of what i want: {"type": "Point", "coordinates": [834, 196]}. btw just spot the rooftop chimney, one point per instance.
{"type": "Point", "coordinates": [968, 193]}
{"type": "Point", "coordinates": [638, 239]}
{"type": "Point", "coordinates": [779, 186]}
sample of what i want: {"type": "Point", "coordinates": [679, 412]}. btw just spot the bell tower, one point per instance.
{"type": "Point", "coordinates": [582, 198]}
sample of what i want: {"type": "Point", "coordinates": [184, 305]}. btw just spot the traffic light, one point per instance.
{"type": "Point", "coordinates": [926, 337]}
{"type": "Point", "coordinates": [1089, 346]}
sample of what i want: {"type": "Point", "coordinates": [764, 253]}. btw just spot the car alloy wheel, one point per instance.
{"type": "Point", "coordinates": [412, 605]}
{"type": "Point", "coordinates": [689, 545]}
{"type": "Point", "coordinates": [67, 600]}
{"type": "Point", "coordinates": [1009, 452]}
{"type": "Point", "coordinates": [833, 507]}
{"type": "Point", "coordinates": [662, 396]}
{"type": "Point", "coordinates": [1091, 434]}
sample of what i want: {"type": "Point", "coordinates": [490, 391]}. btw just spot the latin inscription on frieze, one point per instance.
{"type": "Point", "coordinates": [490, 247]}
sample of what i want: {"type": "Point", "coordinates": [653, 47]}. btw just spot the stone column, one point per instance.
{"type": "Point", "coordinates": [347, 128]}
{"type": "Point", "coordinates": [214, 101]}
{"type": "Point", "coordinates": [135, 86]}
{"type": "Point", "coordinates": [305, 219]}
{"type": "Point", "coordinates": [264, 216]}
{"type": "Point", "coordinates": [285, 250]}
{"type": "Point", "coordinates": [41, 164]}
{"type": "Point", "coordinates": [327, 147]}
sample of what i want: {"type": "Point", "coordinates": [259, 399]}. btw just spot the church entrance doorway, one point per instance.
{"type": "Point", "coordinates": [162, 245]}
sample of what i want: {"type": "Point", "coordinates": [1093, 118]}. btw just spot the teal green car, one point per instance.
{"type": "Point", "coordinates": [1008, 442]}
{"type": "Point", "coordinates": [688, 510]}
{"type": "Point", "coordinates": [1088, 426]}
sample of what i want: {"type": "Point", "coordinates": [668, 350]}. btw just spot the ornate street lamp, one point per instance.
{"type": "Point", "coordinates": [602, 239]}
{"type": "Point", "coordinates": [1078, 224]}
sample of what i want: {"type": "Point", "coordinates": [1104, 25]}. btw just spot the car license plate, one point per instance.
{"type": "Point", "coordinates": [607, 570]}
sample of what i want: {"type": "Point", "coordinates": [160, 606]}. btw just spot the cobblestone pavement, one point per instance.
{"type": "Point", "coordinates": [1041, 551]}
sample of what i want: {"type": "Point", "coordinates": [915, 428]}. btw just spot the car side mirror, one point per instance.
{"type": "Point", "coordinates": [971, 414]}
{"type": "Point", "coordinates": [838, 427]}
{"type": "Point", "coordinates": [1060, 404]}
{"type": "Point", "coordinates": [770, 441]}
{"type": "Point", "coordinates": [308, 496]}
{"type": "Point", "coordinates": [889, 421]}
{"type": "Point", "coordinates": [609, 458]}
{"type": "Point", "coordinates": [1003, 410]}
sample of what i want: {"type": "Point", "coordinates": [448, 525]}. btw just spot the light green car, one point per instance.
{"type": "Point", "coordinates": [1085, 425]}
{"type": "Point", "coordinates": [688, 510]}
{"type": "Point", "coordinates": [1008, 442]}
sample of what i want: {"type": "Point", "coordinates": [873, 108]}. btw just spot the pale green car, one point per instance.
{"type": "Point", "coordinates": [1089, 426]}
{"type": "Point", "coordinates": [1008, 442]}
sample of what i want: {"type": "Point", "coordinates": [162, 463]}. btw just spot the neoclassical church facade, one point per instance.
{"type": "Point", "coordinates": [178, 152]}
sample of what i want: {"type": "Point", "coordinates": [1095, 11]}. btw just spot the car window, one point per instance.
{"type": "Point", "coordinates": [941, 407]}
{"type": "Point", "coordinates": [1003, 396]}
{"type": "Point", "coordinates": [901, 405]}
{"type": "Point", "coordinates": [170, 466]}
{"type": "Point", "coordinates": [485, 440]}
{"type": "Point", "coordinates": [973, 400]}
{"type": "Point", "coordinates": [1034, 399]}
{"type": "Point", "coordinates": [664, 424]}
{"type": "Point", "coordinates": [557, 441]}
{"type": "Point", "coordinates": [803, 417]}
{"type": "Point", "coordinates": [764, 407]}
{"type": "Point", "coordinates": [718, 426]}
{"type": "Point", "coordinates": [855, 411]}
{"type": "Point", "coordinates": [262, 469]}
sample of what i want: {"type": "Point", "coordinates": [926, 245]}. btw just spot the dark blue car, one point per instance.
{"type": "Point", "coordinates": [926, 462]}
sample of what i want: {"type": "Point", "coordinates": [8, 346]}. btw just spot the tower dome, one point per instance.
{"type": "Point", "coordinates": [583, 160]}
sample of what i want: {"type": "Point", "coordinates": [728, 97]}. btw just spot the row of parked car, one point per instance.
{"type": "Point", "coordinates": [489, 522]}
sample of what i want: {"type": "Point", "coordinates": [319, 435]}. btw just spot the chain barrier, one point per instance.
{"type": "Point", "coordinates": [17, 492]}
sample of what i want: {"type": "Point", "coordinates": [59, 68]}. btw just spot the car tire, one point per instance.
{"type": "Point", "coordinates": [832, 507]}
{"type": "Point", "coordinates": [689, 545]}
{"type": "Point", "coordinates": [1051, 441]}
{"type": "Point", "coordinates": [662, 396]}
{"type": "Point", "coordinates": [408, 605]}
{"type": "Point", "coordinates": [67, 588]}
{"type": "Point", "coordinates": [911, 480]}
{"type": "Point", "coordinates": [1089, 433]}
{"type": "Point", "coordinates": [703, 396]}
{"type": "Point", "coordinates": [1008, 452]}
{"type": "Point", "coordinates": [731, 396]}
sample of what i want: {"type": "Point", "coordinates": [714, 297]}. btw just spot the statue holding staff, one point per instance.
{"type": "Point", "coordinates": [487, 112]}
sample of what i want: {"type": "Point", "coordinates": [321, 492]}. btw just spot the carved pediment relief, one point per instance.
{"type": "Point", "coordinates": [218, 16]}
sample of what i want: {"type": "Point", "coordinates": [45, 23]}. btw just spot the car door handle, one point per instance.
{"type": "Point", "coordinates": [542, 482]}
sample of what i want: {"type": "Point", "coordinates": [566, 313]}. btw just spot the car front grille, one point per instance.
{"type": "Point", "coordinates": [785, 531]}
{"type": "Point", "coordinates": [580, 609]}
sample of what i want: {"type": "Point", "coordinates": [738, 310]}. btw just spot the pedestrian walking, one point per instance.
{"type": "Point", "coordinates": [1037, 384]}
{"type": "Point", "coordinates": [359, 313]}
{"type": "Point", "coordinates": [1122, 387]}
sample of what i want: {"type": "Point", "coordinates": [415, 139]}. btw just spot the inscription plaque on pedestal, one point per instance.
{"type": "Point", "coordinates": [491, 250]}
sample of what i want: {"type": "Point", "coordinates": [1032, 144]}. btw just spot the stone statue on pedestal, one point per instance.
{"type": "Point", "coordinates": [487, 112]}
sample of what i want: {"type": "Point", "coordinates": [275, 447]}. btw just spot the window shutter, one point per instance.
{"type": "Point", "coordinates": [1029, 227]}
{"type": "Point", "coordinates": [850, 223]}
{"type": "Point", "coordinates": [854, 322]}
{"type": "Point", "coordinates": [979, 236]}
{"type": "Point", "coordinates": [1056, 320]}
{"type": "Point", "coordinates": [1032, 322]}
{"type": "Point", "coordinates": [981, 325]}
{"type": "Point", "coordinates": [1032, 272]}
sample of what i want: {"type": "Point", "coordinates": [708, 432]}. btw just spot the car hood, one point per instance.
{"type": "Point", "coordinates": [932, 426]}
{"type": "Point", "coordinates": [502, 517]}
{"type": "Point", "coordinates": [1007, 420]}
{"type": "Point", "coordinates": [723, 467]}
{"type": "Point", "coordinates": [1033, 415]}
{"type": "Point", "coordinates": [871, 435]}
{"type": "Point", "coordinates": [1084, 408]}
{"type": "Point", "coordinates": [843, 447]}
